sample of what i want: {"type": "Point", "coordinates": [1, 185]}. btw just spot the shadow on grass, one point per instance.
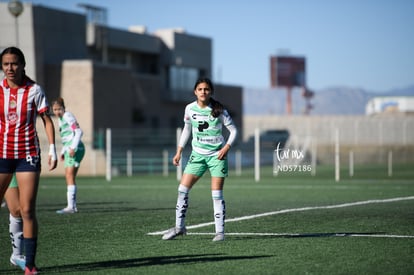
{"type": "Point", "coordinates": [142, 262]}
{"type": "Point", "coordinates": [99, 207]}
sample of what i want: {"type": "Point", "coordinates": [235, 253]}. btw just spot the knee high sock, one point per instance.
{"type": "Point", "coordinates": [182, 206]}
{"type": "Point", "coordinates": [71, 196]}
{"type": "Point", "coordinates": [219, 206]}
{"type": "Point", "coordinates": [16, 234]}
{"type": "Point", "coordinates": [30, 245]}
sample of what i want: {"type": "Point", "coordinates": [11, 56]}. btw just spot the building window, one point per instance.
{"type": "Point", "coordinates": [181, 82]}
{"type": "Point", "coordinates": [155, 122]}
{"type": "Point", "coordinates": [137, 116]}
{"type": "Point", "coordinates": [117, 57]}
{"type": "Point", "coordinates": [145, 63]}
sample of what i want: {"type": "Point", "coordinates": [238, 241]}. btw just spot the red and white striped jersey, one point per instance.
{"type": "Point", "coordinates": [18, 112]}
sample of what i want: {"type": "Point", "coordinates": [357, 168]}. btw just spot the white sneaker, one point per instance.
{"type": "Point", "coordinates": [67, 210]}
{"type": "Point", "coordinates": [19, 261]}
{"type": "Point", "coordinates": [219, 237]}
{"type": "Point", "coordinates": [174, 232]}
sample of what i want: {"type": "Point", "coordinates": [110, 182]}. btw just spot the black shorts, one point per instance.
{"type": "Point", "coordinates": [28, 164]}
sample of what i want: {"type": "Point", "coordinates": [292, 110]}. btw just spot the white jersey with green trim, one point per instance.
{"type": "Point", "coordinates": [70, 132]}
{"type": "Point", "coordinates": [206, 129]}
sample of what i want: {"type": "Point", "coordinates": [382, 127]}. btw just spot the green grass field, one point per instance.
{"type": "Point", "coordinates": [298, 235]}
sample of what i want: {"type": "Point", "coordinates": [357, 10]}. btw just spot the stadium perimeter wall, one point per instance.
{"type": "Point", "coordinates": [369, 138]}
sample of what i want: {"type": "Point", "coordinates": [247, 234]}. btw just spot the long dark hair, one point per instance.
{"type": "Point", "coordinates": [16, 51]}
{"type": "Point", "coordinates": [216, 107]}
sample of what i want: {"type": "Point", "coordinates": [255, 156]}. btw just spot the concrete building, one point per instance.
{"type": "Point", "coordinates": [390, 105]}
{"type": "Point", "coordinates": [112, 78]}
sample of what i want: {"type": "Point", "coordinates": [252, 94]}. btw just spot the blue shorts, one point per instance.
{"type": "Point", "coordinates": [29, 164]}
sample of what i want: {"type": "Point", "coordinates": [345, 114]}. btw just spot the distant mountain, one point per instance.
{"type": "Point", "coordinates": [407, 91]}
{"type": "Point", "coordinates": [340, 101]}
{"type": "Point", "coordinates": [329, 101]}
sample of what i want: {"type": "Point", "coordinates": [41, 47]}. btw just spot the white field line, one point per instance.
{"type": "Point", "coordinates": [307, 234]}
{"type": "Point", "coordinates": [292, 210]}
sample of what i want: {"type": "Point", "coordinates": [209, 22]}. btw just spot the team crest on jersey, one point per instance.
{"type": "Point", "coordinates": [13, 104]}
{"type": "Point", "coordinates": [12, 117]}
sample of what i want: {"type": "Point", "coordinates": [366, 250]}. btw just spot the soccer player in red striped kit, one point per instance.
{"type": "Point", "coordinates": [21, 100]}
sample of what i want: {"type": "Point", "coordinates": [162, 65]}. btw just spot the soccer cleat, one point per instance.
{"type": "Point", "coordinates": [32, 271]}
{"type": "Point", "coordinates": [18, 260]}
{"type": "Point", "coordinates": [219, 237]}
{"type": "Point", "coordinates": [174, 232]}
{"type": "Point", "coordinates": [67, 210]}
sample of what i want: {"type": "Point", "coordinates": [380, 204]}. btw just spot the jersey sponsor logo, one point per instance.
{"type": "Point", "coordinates": [210, 140]}
{"type": "Point", "coordinates": [202, 125]}
{"type": "Point", "coordinates": [12, 118]}
{"type": "Point", "coordinates": [196, 116]}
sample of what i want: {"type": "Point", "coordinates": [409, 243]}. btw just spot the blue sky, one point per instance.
{"type": "Point", "coordinates": [365, 44]}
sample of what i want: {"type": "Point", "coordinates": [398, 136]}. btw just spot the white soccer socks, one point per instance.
{"type": "Point", "coordinates": [219, 206]}
{"type": "Point", "coordinates": [219, 210]}
{"type": "Point", "coordinates": [71, 196]}
{"type": "Point", "coordinates": [182, 206]}
{"type": "Point", "coordinates": [16, 234]}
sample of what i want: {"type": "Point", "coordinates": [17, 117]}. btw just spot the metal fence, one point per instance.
{"type": "Point", "coordinates": [368, 140]}
{"type": "Point", "coordinates": [353, 130]}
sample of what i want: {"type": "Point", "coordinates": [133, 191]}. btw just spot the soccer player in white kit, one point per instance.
{"type": "Point", "coordinates": [21, 100]}
{"type": "Point", "coordinates": [72, 152]}
{"type": "Point", "coordinates": [204, 119]}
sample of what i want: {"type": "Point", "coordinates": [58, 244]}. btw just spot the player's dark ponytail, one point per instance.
{"type": "Point", "coordinates": [216, 107]}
